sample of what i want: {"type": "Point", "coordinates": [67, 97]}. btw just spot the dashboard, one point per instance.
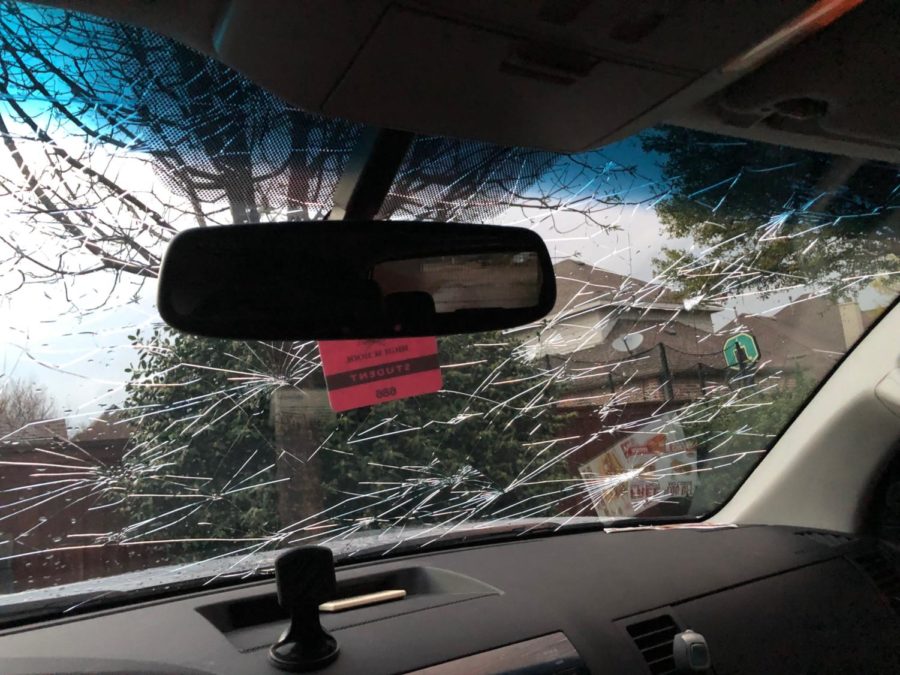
{"type": "Point", "coordinates": [766, 599]}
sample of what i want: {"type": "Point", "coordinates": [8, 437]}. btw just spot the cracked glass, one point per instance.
{"type": "Point", "coordinates": [706, 285]}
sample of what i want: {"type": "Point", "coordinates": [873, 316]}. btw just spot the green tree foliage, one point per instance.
{"type": "Point", "coordinates": [474, 448]}
{"type": "Point", "coordinates": [733, 437]}
{"type": "Point", "coordinates": [478, 445]}
{"type": "Point", "coordinates": [771, 217]}
{"type": "Point", "coordinates": [201, 430]}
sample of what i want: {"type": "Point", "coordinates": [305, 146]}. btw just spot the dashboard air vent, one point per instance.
{"type": "Point", "coordinates": [882, 570]}
{"type": "Point", "coordinates": [653, 638]}
{"type": "Point", "coordinates": [832, 539]}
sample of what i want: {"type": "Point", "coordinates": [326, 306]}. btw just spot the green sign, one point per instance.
{"type": "Point", "coordinates": [740, 347]}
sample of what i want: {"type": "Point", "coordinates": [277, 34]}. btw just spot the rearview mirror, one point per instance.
{"type": "Point", "coordinates": [353, 280]}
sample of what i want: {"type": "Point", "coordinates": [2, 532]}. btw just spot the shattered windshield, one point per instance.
{"type": "Point", "coordinates": [706, 285]}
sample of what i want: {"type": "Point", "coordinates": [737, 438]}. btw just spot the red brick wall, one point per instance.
{"type": "Point", "coordinates": [55, 527]}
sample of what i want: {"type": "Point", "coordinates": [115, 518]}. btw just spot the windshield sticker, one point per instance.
{"type": "Point", "coordinates": [361, 373]}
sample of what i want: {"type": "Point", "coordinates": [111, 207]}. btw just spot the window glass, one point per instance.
{"type": "Point", "coordinates": [705, 286]}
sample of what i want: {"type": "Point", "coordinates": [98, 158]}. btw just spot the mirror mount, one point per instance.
{"type": "Point", "coordinates": [369, 173]}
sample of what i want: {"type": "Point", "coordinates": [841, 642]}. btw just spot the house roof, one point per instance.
{"type": "Point", "coordinates": [686, 347]}
{"type": "Point", "coordinates": [581, 286]}
{"type": "Point", "coordinates": [806, 334]}
{"type": "Point", "coordinates": [111, 425]}
{"type": "Point", "coordinates": [11, 432]}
